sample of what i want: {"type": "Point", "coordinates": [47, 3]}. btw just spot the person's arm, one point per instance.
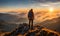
{"type": "Point", "coordinates": [33, 15]}
{"type": "Point", "coordinates": [28, 16]}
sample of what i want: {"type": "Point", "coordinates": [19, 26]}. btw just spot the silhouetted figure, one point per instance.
{"type": "Point", "coordinates": [31, 18]}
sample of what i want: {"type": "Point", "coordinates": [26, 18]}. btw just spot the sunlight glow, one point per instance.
{"type": "Point", "coordinates": [51, 9]}
{"type": "Point", "coordinates": [51, 12]}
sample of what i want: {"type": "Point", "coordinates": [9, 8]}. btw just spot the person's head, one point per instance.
{"type": "Point", "coordinates": [31, 10]}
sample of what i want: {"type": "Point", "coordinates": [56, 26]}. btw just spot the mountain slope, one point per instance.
{"type": "Point", "coordinates": [53, 24]}
{"type": "Point", "coordinates": [23, 30]}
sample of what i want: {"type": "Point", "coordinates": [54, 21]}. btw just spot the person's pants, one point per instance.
{"type": "Point", "coordinates": [31, 24]}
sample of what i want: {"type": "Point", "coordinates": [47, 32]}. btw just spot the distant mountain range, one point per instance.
{"type": "Point", "coordinates": [10, 21]}
{"type": "Point", "coordinates": [53, 24]}
{"type": "Point", "coordinates": [12, 18]}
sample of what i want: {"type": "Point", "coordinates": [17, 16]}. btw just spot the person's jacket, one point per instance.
{"type": "Point", "coordinates": [30, 15]}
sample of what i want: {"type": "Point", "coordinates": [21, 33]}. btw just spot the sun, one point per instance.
{"type": "Point", "coordinates": [51, 9]}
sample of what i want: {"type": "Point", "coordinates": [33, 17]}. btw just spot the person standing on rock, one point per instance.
{"type": "Point", "coordinates": [31, 18]}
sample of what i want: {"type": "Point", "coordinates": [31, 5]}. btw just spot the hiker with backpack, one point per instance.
{"type": "Point", "coordinates": [31, 18]}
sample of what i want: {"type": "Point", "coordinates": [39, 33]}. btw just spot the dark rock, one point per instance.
{"type": "Point", "coordinates": [43, 33]}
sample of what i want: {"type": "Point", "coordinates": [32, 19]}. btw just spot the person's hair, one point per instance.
{"type": "Point", "coordinates": [31, 10]}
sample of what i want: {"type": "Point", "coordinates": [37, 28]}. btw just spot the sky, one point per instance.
{"type": "Point", "coordinates": [43, 9]}
{"type": "Point", "coordinates": [23, 5]}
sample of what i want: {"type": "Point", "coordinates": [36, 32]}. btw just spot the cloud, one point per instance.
{"type": "Point", "coordinates": [26, 1]}
{"type": "Point", "coordinates": [46, 0]}
{"type": "Point", "coordinates": [8, 4]}
{"type": "Point", "coordinates": [46, 3]}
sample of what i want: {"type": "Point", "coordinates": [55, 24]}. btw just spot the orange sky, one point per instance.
{"type": "Point", "coordinates": [27, 9]}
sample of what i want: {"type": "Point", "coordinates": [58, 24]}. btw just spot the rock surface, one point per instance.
{"type": "Point", "coordinates": [23, 30]}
